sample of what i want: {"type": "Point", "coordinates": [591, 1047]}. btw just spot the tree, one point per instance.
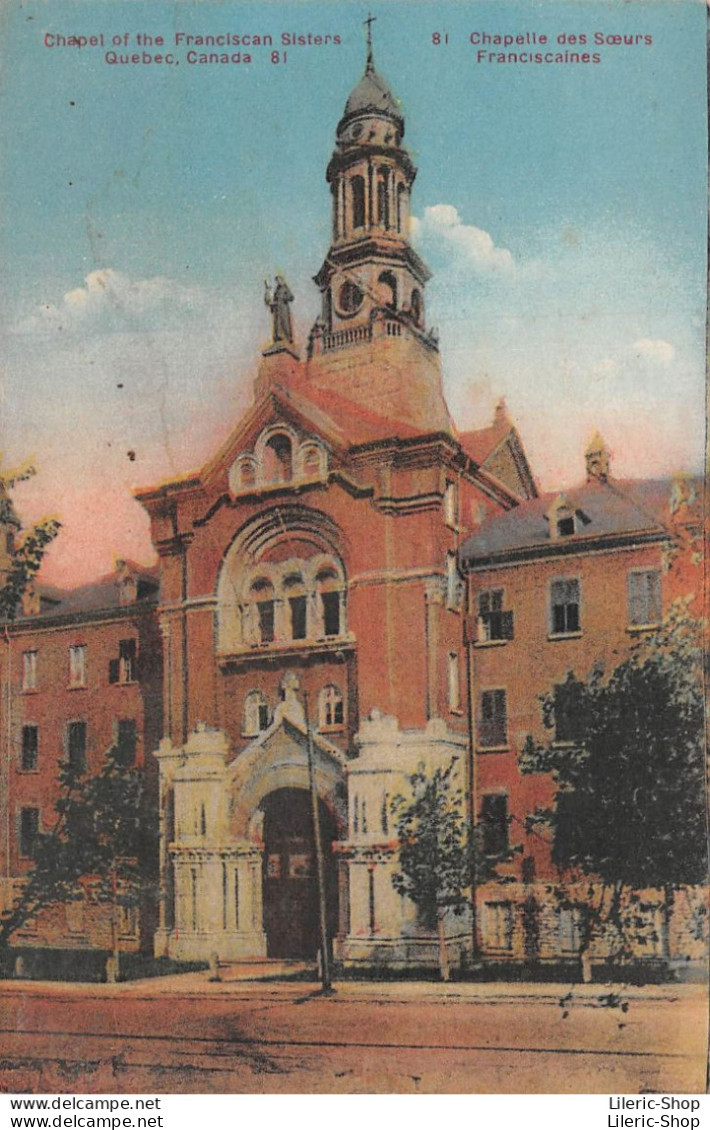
{"type": "Point", "coordinates": [629, 810]}
{"type": "Point", "coordinates": [103, 835]}
{"type": "Point", "coordinates": [437, 856]}
{"type": "Point", "coordinates": [23, 552]}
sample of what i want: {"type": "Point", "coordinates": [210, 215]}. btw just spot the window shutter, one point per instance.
{"type": "Point", "coordinates": [507, 622]}
{"type": "Point", "coordinates": [113, 670]}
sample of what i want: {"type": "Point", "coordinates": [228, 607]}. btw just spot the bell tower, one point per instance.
{"type": "Point", "coordinates": [372, 281]}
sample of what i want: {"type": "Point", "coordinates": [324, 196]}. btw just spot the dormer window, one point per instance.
{"type": "Point", "coordinates": [564, 519]}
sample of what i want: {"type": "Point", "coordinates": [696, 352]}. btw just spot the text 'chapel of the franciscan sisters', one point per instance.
{"type": "Point", "coordinates": [310, 589]}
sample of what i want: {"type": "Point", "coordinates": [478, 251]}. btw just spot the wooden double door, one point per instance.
{"type": "Point", "coordinates": [290, 886]}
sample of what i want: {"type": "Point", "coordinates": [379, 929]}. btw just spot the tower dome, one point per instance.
{"type": "Point", "coordinates": [372, 95]}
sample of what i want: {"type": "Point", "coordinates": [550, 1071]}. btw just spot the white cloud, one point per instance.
{"type": "Point", "coordinates": [442, 223]}
{"type": "Point", "coordinates": [654, 350]}
{"type": "Point", "coordinates": [110, 301]}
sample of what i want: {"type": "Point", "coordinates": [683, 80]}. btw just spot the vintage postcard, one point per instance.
{"type": "Point", "coordinates": [352, 549]}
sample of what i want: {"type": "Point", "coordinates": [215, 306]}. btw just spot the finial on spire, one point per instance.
{"type": "Point", "coordinates": [370, 64]}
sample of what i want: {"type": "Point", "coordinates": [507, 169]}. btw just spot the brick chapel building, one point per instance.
{"type": "Point", "coordinates": [309, 593]}
{"type": "Point", "coordinates": [309, 575]}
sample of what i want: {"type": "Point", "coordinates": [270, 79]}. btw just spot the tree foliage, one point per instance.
{"type": "Point", "coordinates": [103, 835]}
{"type": "Point", "coordinates": [630, 799]}
{"type": "Point", "coordinates": [29, 546]}
{"type": "Point", "coordinates": [434, 855]}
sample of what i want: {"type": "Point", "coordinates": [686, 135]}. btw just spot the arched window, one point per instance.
{"type": "Point", "coordinates": [357, 189]}
{"type": "Point", "coordinates": [329, 594]}
{"type": "Point", "coordinates": [247, 472]}
{"type": "Point", "coordinates": [256, 714]}
{"type": "Point", "coordinates": [383, 198]}
{"type": "Point", "coordinates": [262, 594]}
{"type": "Point", "coordinates": [401, 192]}
{"type": "Point", "coordinates": [278, 459]}
{"type": "Point", "coordinates": [330, 708]}
{"type": "Point", "coordinates": [297, 601]}
{"type": "Point", "coordinates": [295, 591]}
{"type": "Point", "coordinates": [387, 290]}
{"type": "Point", "coordinates": [312, 460]}
{"type": "Point", "coordinates": [417, 307]}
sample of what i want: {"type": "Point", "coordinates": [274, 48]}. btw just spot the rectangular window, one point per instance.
{"type": "Point", "coordinates": [126, 740]}
{"type": "Point", "coordinates": [454, 682]}
{"type": "Point", "coordinates": [331, 613]}
{"type": "Point", "coordinates": [29, 670]}
{"type": "Point", "coordinates": [297, 605]}
{"type": "Point", "coordinates": [30, 748]}
{"type": "Point", "coordinates": [498, 925]}
{"type": "Point", "coordinates": [128, 921]}
{"type": "Point", "coordinates": [76, 746]}
{"type": "Point", "coordinates": [454, 587]}
{"type": "Point", "coordinates": [451, 505]}
{"type": "Point", "coordinates": [644, 590]}
{"type": "Point", "coordinates": [265, 610]}
{"type": "Point", "coordinates": [74, 914]}
{"type": "Point", "coordinates": [493, 719]}
{"type": "Point", "coordinates": [568, 929]}
{"type": "Point", "coordinates": [567, 722]}
{"type": "Point", "coordinates": [494, 623]}
{"type": "Point", "coordinates": [77, 666]}
{"type": "Point", "coordinates": [29, 832]}
{"type": "Point", "coordinates": [124, 669]}
{"type": "Point", "coordinates": [494, 823]}
{"type": "Point", "coordinates": [564, 606]}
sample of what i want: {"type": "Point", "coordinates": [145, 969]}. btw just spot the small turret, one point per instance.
{"type": "Point", "coordinates": [597, 458]}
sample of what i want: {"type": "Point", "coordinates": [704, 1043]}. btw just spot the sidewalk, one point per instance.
{"type": "Point", "coordinates": [260, 982]}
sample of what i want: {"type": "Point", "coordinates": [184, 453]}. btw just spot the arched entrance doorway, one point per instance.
{"type": "Point", "coordinates": [290, 887]}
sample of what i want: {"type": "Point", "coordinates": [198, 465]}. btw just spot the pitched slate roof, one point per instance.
{"type": "Point", "coordinates": [611, 509]}
{"type": "Point", "coordinates": [98, 596]}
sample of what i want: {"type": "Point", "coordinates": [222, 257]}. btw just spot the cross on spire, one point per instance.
{"type": "Point", "coordinates": [370, 65]}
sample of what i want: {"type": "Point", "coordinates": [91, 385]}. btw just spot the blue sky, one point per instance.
{"type": "Point", "coordinates": [561, 207]}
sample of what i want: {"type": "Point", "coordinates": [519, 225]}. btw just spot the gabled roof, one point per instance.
{"type": "Point", "coordinates": [499, 449]}
{"type": "Point", "coordinates": [608, 509]}
{"type": "Point", "coordinates": [101, 595]}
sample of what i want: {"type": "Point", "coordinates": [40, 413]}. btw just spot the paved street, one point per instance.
{"type": "Point", "coordinates": [185, 1034]}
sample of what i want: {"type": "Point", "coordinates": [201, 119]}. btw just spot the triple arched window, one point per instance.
{"type": "Point", "coordinates": [293, 600]}
{"type": "Point", "coordinates": [279, 456]}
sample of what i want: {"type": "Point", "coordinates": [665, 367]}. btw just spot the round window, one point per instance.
{"type": "Point", "coordinates": [349, 298]}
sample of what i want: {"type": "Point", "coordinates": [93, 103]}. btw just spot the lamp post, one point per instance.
{"type": "Point", "coordinates": [320, 865]}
